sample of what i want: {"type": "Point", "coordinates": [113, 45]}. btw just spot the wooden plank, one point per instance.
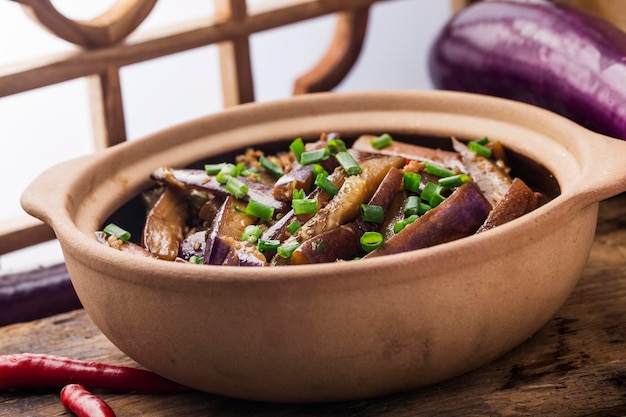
{"type": "Point", "coordinates": [574, 366]}
{"type": "Point", "coordinates": [23, 231]}
{"type": "Point", "coordinates": [111, 27]}
{"type": "Point", "coordinates": [341, 55]}
{"type": "Point", "coordinates": [165, 41]}
{"type": "Point", "coordinates": [235, 62]}
{"type": "Point", "coordinates": [107, 108]}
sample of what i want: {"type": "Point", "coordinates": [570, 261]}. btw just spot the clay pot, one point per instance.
{"type": "Point", "coordinates": [345, 330]}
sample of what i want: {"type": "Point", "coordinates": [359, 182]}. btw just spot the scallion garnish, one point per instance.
{"type": "Point", "coordinates": [335, 146]}
{"type": "Point", "coordinates": [194, 259]}
{"type": "Point", "coordinates": [412, 181]}
{"type": "Point", "coordinates": [318, 169]}
{"type": "Point", "coordinates": [287, 249]}
{"type": "Point", "coordinates": [268, 244]}
{"type": "Point", "coordinates": [251, 233]}
{"type": "Point", "coordinates": [236, 187]}
{"type": "Point", "coordinates": [438, 170]}
{"type": "Point", "coordinates": [213, 169]}
{"type": "Point", "coordinates": [372, 213]}
{"type": "Point", "coordinates": [432, 194]}
{"type": "Point", "coordinates": [398, 226]}
{"type": "Point", "coordinates": [382, 141]}
{"type": "Point", "coordinates": [348, 163]}
{"type": "Point", "coordinates": [304, 205]}
{"type": "Point", "coordinates": [228, 170]}
{"type": "Point", "coordinates": [482, 141]}
{"type": "Point", "coordinates": [259, 210]}
{"type": "Point", "coordinates": [326, 185]}
{"type": "Point", "coordinates": [297, 147]}
{"type": "Point", "coordinates": [479, 149]}
{"type": "Point", "coordinates": [454, 181]}
{"type": "Point", "coordinates": [112, 229]}
{"type": "Point", "coordinates": [411, 205]}
{"type": "Point", "coordinates": [298, 194]}
{"type": "Point", "coordinates": [423, 208]}
{"type": "Point", "coordinates": [315, 156]}
{"type": "Point", "coordinates": [293, 227]}
{"type": "Point", "coordinates": [371, 240]}
{"type": "Point", "coordinates": [272, 167]}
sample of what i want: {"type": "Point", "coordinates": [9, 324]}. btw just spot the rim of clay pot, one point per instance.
{"type": "Point", "coordinates": [572, 150]}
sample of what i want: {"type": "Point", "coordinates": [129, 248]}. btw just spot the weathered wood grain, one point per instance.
{"type": "Point", "coordinates": [574, 366]}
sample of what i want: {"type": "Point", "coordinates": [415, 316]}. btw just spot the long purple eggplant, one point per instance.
{"type": "Point", "coordinates": [460, 215]}
{"type": "Point", "coordinates": [36, 293]}
{"type": "Point", "coordinates": [538, 52]}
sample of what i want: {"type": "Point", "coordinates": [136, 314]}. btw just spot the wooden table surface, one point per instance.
{"type": "Point", "coordinates": [574, 366]}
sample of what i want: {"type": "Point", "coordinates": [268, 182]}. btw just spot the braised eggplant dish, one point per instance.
{"type": "Point", "coordinates": [323, 201]}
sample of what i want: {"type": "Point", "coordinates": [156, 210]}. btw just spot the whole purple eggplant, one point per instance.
{"type": "Point", "coordinates": [538, 52]}
{"type": "Point", "coordinates": [36, 293]}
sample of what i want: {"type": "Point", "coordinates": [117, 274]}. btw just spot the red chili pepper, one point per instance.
{"type": "Point", "coordinates": [83, 403]}
{"type": "Point", "coordinates": [30, 370]}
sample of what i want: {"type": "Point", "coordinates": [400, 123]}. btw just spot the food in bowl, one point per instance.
{"type": "Point", "coordinates": [322, 201]}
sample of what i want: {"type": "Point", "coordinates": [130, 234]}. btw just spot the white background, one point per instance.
{"type": "Point", "coordinates": [44, 127]}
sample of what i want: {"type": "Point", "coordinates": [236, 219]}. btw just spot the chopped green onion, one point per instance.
{"type": "Point", "coordinates": [348, 163]}
{"type": "Point", "coordinates": [213, 169]}
{"type": "Point", "coordinates": [246, 172]}
{"type": "Point", "coordinates": [227, 171]}
{"type": "Point", "coordinates": [314, 156]}
{"type": "Point", "coordinates": [304, 205]}
{"type": "Point", "coordinates": [372, 213]}
{"type": "Point", "coordinates": [275, 169]}
{"type": "Point", "coordinates": [268, 244]}
{"type": "Point", "coordinates": [293, 227]}
{"type": "Point", "coordinates": [298, 194]}
{"type": "Point", "coordinates": [479, 149]}
{"type": "Point", "coordinates": [381, 141]}
{"type": "Point", "coordinates": [482, 141]}
{"type": "Point", "coordinates": [236, 187]}
{"type": "Point", "coordinates": [438, 170]}
{"type": "Point", "coordinates": [336, 145]}
{"type": "Point", "coordinates": [436, 199]}
{"type": "Point", "coordinates": [318, 169]}
{"type": "Point", "coordinates": [297, 147]}
{"type": "Point", "coordinates": [412, 181]}
{"type": "Point", "coordinates": [398, 226]}
{"type": "Point", "coordinates": [251, 233]}
{"type": "Point", "coordinates": [259, 210]}
{"type": "Point", "coordinates": [454, 181]}
{"type": "Point", "coordinates": [112, 229]}
{"type": "Point", "coordinates": [194, 259]}
{"type": "Point", "coordinates": [432, 194]}
{"type": "Point", "coordinates": [423, 208]}
{"type": "Point", "coordinates": [326, 185]}
{"type": "Point", "coordinates": [411, 205]}
{"type": "Point", "coordinates": [287, 249]}
{"type": "Point", "coordinates": [371, 240]}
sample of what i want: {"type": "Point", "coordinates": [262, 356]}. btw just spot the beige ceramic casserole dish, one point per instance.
{"type": "Point", "coordinates": [341, 330]}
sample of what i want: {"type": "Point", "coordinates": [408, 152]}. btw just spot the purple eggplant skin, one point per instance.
{"type": "Point", "coordinates": [460, 215]}
{"type": "Point", "coordinates": [36, 293]}
{"type": "Point", "coordinates": [538, 52]}
{"type": "Point", "coordinates": [229, 251]}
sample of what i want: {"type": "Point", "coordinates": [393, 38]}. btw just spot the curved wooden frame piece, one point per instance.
{"type": "Point", "coordinates": [340, 56]}
{"type": "Point", "coordinates": [109, 28]}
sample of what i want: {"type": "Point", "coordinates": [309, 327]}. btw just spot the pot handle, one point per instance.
{"type": "Point", "coordinates": [47, 197]}
{"type": "Point", "coordinates": [604, 174]}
